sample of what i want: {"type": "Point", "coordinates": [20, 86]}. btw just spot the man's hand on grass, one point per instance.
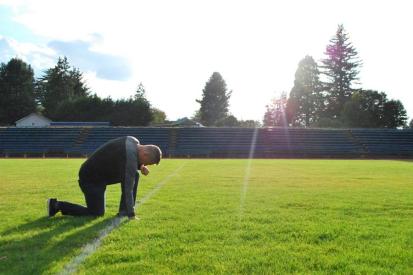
{"type": "Point", "coordinates": [134, 218]}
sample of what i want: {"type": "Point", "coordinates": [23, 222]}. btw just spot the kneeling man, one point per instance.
{"type": "Point", "coordinates": [115, 161]}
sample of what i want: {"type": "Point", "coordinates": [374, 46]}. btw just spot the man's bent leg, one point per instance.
{"type": "Point", "coordinates": [72, 209]}
{"type": "Point", "coordinates": [95, 201]}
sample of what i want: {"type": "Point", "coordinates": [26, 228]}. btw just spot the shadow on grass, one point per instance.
{"type": "Point", "coordinates": [34, 247]}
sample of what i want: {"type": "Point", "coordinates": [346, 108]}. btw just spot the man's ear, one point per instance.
{"type": "Point", "coordinates": [145, 157]}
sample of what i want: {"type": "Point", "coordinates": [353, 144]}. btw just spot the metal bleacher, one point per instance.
{"type": "Point", "coordinates": [378, 142]}
{"type": "Point", "coordinates": [309, 142]}
{"type": "Point", "coordinates": [268, 142]}
{"type": "Point", "coordinates": [213, 142]}
{"type": "Point", "coordinates": [37, 141]}
{"type": "Point", "coordinates": [146, 135]}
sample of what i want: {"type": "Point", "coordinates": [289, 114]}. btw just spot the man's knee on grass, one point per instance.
{"type": "Point", "coordinates": [97, 212]}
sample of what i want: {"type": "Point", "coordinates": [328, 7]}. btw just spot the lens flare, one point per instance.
{"type": "Point", "coordinates": [247, 173]}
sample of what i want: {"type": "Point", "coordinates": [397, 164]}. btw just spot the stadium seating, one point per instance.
{"type": "Point", "coordinates": [37, 140]}
{"type": "Point", "coordinates": [266, 142]}
{"type": "Point", "coordinates": [379, 142]}
{"type": "Point", "coordinates": [213, 142]}
{"type": "Point", "coordinates": [146, 135]}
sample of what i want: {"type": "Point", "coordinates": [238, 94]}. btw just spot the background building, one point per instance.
{"type": "Point", "coordinates": [33, 120]}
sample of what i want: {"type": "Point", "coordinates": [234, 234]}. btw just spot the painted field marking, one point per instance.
{"type": "Point", "coordinates": [247, 175]}
{"type": "Point", "coordinates": [115, 222]}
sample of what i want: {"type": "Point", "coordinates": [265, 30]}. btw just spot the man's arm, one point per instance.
{"type": "Point", "coordinates": [129, 178]}
{"type": "Point", "coordinates": [128, 193]}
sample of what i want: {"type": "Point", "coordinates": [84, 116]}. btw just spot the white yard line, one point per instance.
{"type": "Point", "coordinates": [91, 247]}
{"type": "Point", "coordinates": [115, 222]}
{"type": "Point", "coordinates": [247, 175]}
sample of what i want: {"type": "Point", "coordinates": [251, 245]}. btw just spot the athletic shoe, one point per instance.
{"type": "Point", "coordinates": [51, 206]}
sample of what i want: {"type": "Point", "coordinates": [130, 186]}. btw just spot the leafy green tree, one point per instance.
{"type": "Point", "coordinates": [275, 114]}
{"type": "Point", "coordinates": [215, 101]}
{"type": "Point", "coordinates": [196, 116]}
{"type": "Point", "coordinates": [158, 116]}
{"type": "Point", "coordinates": [91, 108]}
{"type": "Point", "coordinates": [60, 83]}
{"type": "Point", "coordinates": [305, 103]}
{"type": "Point", "coordinates": [394, 114]}
{"type": "Point", "coordinates": [326, 122]}
{"type": "Point", "coordinates": [371, 109]}
{"type": "Point", "coordinates": [364, 109]}
{"type": "Point", "coordinates": [122, 112]}
{"type": "Point", "coordinates": [228, 121]}
{"type": "Point", "coordinates": [131, 112]}
{"type": "Point", "coordinates": [249, 123]}
{"type": "Point", "coordinates": [17, 97]}
{"type": "Point", "coordinates": [341, 68]}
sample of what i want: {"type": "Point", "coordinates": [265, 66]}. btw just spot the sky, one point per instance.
{"type": "Point", "coordinates": [173, 47]}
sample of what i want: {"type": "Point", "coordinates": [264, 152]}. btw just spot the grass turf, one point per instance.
{"type": "Point", "coordinates": [291, 216]}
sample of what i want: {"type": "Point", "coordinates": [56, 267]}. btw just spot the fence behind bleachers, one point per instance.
{"type": "Point", "coordinates": [213, 142]}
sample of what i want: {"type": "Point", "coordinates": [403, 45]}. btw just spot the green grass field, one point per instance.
{"type": "Point", "coordinates": [213, 216]}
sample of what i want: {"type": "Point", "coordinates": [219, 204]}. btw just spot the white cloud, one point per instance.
{"type": "Point", "coordinates": [39, 57]}
{"type": "Point", "coordinates": [109, 88]}
{"type": "Point", "coordinates": [106, 66]}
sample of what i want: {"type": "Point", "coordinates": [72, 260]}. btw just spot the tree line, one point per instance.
{"type": "Point", "coordinates": [323, 95]}
{"type": "Point", "coordinates": [62, 95]}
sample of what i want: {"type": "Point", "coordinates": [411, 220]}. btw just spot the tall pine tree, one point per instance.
{"type": "Point", "coordinates": [306, 101]}
{"type": "Point", "coordinates": [215, 101]}
{"type": "Point", "coordinates": [17, 98]}
{"type": "Point", "coordinates": [60, 83]}
{"type": "Point", "coordinates": [341, 70]}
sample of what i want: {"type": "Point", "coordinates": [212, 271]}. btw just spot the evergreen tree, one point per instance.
{"type": "Point", "coordinates": [214, 102]}
{"type": "Point", "coordinates": [275, 114]}
{"type": "Point", "coordinates": [17, 98]}
{"type": "Point", "coordinates": [411, 124]}
{"type": "Point", "coordinates": [140, 91]}
{"type": "Point", "coordinates": [60, 83]}
{"type": "Point", "coordinates": [305, 102]}
{"type": "Point", "coordinates": [341, 70]}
